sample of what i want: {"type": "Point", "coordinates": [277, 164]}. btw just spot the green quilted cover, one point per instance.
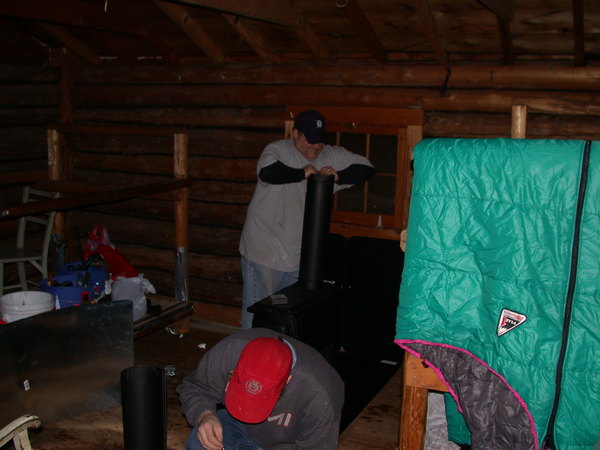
{"type": "Point", "coordinates": [491, 250]}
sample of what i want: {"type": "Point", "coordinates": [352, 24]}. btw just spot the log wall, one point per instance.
{"type": "Point", "coordinates": [29, 99]}
{"type": "Point", "coordinates": [231, 113]}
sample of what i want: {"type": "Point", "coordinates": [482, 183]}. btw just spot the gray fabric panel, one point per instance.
{"type": "Point", "coordinates": [493, 414]}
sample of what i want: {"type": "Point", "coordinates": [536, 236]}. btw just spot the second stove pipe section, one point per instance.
{"type": "Point", "coordinates": [317, 217]}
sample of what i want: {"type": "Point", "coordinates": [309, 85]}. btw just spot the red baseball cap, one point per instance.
{"type": "Point", "coordinates": [258, 379]}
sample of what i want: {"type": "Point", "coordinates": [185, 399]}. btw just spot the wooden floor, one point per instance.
{"type": "Point", "coordinates": [375, 428]}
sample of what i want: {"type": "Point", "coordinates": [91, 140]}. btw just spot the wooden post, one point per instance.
{"type": "Point", "coordinates": [417, 380]}
{"type": "Point", "coordinates": [181, 206]}
{"type": "Point", "coordinates": [55, 172]}
{"type": "Point", "coordinates": [519, 122]}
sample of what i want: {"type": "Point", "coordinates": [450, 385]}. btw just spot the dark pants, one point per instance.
{"type": "Point", "coordinates": [234, 435]}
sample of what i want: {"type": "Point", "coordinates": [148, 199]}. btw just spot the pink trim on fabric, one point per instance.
{"type": "Point", "coordinates": [402, 343]}
{"type": "Point", "coordinates": [439, 374]}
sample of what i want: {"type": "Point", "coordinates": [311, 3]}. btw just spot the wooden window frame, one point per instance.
{"type": "Point", "coordinates": [404, 123]}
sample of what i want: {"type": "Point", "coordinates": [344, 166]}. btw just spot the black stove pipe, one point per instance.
{"type": "Point", "coordinates": [317, 217]}
{"type": "Point", "coordinates": [144, 407]}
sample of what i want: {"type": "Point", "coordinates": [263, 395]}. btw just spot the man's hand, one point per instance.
{"type": "Point", "coordinates": [328, 170]}
{"type": "Point", "coordinates": [309, 170]}
{"type": "Point", "coordinates": [210, 431]}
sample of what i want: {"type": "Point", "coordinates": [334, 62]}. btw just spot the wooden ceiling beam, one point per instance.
{"type": "Point", "coordinates": [19, 44]}
{"type": "Point", "coordinates": [508, 50]}
{"type": "Point", "coordinates": [194, 30]}
{"type": "Point", "coordinates": [470, 76]}
{"type": "Point", "coordinates": [502, 8]}
{"type": "Point", "coordinates": [308, 35]}
{"type": "Point", "coordinates": [252, 37]}
{"type": "Point", "coordinates": [155, 41]}
{"type": "Point", "coordinates": [281, 12]}
{"type": "Point", "coordinates": [123, 52]}
{"type": "Point", "coordinates": [365, 29]}
{"type": "Point", "coordinates": [70, 13]}
{"type": "Point", "coordinates": [428, 21]}
{"type": "Point", "coordinates": [73, 44]}
{"type": "Point", "coordinates": [578, 33]}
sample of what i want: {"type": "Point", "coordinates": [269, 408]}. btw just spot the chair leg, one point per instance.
{"type": "Point", "coordinates": [17, 431]}
{"type": "Point", "coordinates": [22, 275]}
{"type": "Point", "coordinates": [21, 440]}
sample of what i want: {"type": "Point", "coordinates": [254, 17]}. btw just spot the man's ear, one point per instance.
{"type": "Point", "coordinates": [295, 133]}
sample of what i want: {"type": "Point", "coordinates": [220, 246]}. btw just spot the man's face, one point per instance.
{"type": "Point", "coordinates": [310, 151]}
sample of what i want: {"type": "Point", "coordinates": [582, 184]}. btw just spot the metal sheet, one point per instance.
{"type": "Point", "coordinates": [66, 362]}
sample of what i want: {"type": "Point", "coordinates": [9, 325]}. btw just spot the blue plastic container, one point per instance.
{"type": "Point", "coordinates": [67, 296]}
{"type": "Point", "coordinates": [84, 285]}
{"type": "Point", "coordinates": [98, 275]}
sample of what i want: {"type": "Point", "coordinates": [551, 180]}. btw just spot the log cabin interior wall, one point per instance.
{"type": "Point", "coordinates": [232, 107]}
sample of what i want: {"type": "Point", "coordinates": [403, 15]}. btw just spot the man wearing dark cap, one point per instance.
{"type": "Point", "coordinates": [276, 393]}
{"type": "Point", "coordinates": [271, 240]}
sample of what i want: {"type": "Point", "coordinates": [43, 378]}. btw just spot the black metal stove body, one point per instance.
{"type": "Point", "coordinates": [306, 309]}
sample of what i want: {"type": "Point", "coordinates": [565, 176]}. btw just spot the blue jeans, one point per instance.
{"type": "Point", "coordinates": [234, 435]}
{"type": "Point", "coordinates": [260, 282]}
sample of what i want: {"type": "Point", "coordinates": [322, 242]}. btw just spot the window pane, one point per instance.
{"type": "Point", "coordinates": [383, 152]}
{"type": "Point", "coordinates": [331, 138]}
{"type": "Point", "coordinates": [356, 143]}
{"type": "Point", "coordinates": [380, 199]}
{"type": "Point", "coordinates": [351, 200]}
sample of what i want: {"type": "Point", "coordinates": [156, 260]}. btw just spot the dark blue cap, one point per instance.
{"type": "Point", "coordinates": [311, 124]}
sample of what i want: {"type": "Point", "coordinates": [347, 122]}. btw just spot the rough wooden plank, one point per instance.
{"type": "Point", "coordinates": [377, 425]}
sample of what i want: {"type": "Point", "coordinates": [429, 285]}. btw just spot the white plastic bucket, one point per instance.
{"type": "Point", "coordinates": [22, 304]}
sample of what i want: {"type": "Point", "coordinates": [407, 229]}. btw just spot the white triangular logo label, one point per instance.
{"type": "Point", "coordinates": [509, 320]}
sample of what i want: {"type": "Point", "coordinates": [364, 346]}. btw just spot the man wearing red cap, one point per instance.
{"type": "Point", "coordinates": [271, 240]}
{"type": "Point", "coordinates": [277, 393]}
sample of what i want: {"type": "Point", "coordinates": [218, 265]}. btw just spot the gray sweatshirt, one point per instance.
{"type": "Point", "coordinates": [272, 233]}
{"type": "Point", "coordinates": [307, 415]}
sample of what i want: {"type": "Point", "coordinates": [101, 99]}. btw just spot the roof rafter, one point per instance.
{"type": "Point", "coordinates": [122, 51]}
{"type": "Point", "coordinates": [71, 13]}
{"type": "Point", "coordinates": [20, 43]}
{"type": "Point", "coordinates": [155, 41]}
{"type": "Point", "coordinates": [72, 43]}
{"type": "Point", "coordinates": [280, 12]}
{"type": "Point", "coordinates": [508, 51]}
{"type": "Point", "coordinates": [308, 35]}
{"type": "Point", "coordinates": [365, 29]}
{"type": "Point", "coordinates": [194, 30]}
{"type": "Point", "coordinates": [504, 10]}
{"type": "Point", "coordinates": [578, 33]}
{"type": "Point", "coordinates": [426, 16]}
{"type": "Point", "coordinates": [252, 37]}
